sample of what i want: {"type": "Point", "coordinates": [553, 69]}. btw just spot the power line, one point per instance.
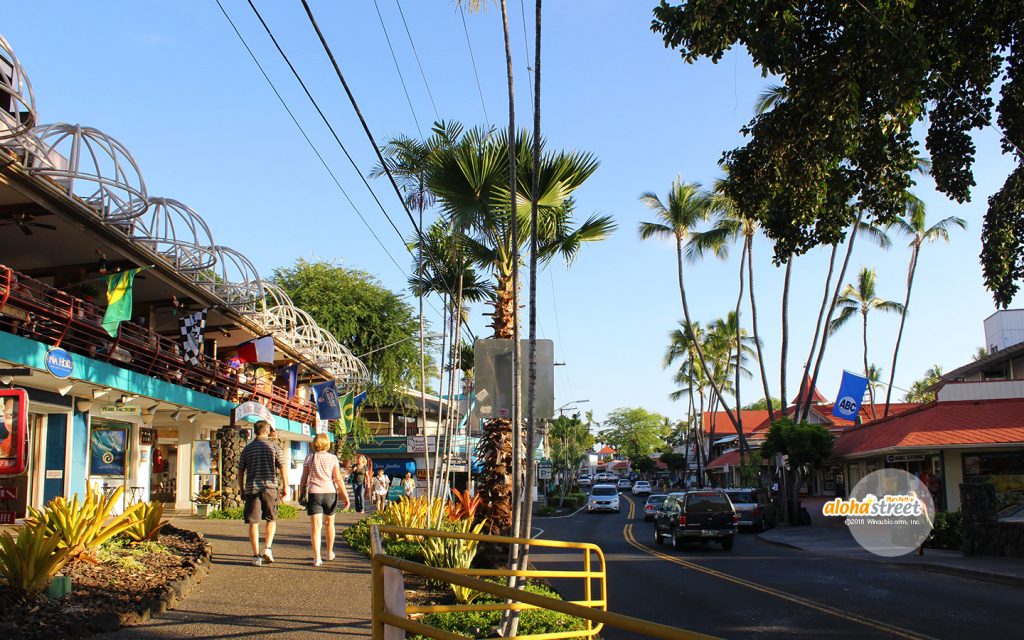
{"type": "Point", "coordinates": [472, 59]}
{"type": "Point", "coordinates": [417, 56]}
{"type": "Point", "coordinates": [369, 134]}
{"type": "Point", "coordinates": [526, 47]}
{"type": "Point", "coordinates": [308, 140]}
{"type": "Point", "coordinates": [401, 78]}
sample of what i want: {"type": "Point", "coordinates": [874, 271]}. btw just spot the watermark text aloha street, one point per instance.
{"type": "Point", "coordinates": [870, 505]}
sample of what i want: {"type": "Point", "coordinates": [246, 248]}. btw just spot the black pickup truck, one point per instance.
{"type": "Point", "coordinates": [696, 516]}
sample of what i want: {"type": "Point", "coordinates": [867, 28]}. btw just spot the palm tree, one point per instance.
{"type": "Point", "coordinates": [920, 390]}
{"type": "Point", "coordinates": [467, 179]}
{"type": "Point", "coordinates": [862, 298]}
{"type": "Point", "coordinates": [915, 227]}
{"type": "Point", "coordinates": [875, 384]}
{"type": "Point", "coordinates": [687, 207]}
{"type": "Point", "coordinates": [981, 354]}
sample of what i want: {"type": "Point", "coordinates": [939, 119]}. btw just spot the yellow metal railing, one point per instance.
{"type": "Point", "coordinates": [593, 610]}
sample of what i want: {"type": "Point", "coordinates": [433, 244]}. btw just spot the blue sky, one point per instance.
{"type": "Point", "coordinates": [172, 82]}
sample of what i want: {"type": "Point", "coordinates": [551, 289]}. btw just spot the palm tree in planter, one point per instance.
{"type": "Point", "coordinates": [862, 298]}
{"type": "Point", "coordinates": [468, 180]}
{"type": "Point", "coordinates": [915, 227]}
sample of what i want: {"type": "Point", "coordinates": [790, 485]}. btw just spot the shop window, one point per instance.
{"type": "Point", "coordinates": [1004, 470]}
{"type": "Point", "coordinates": [299, 451]}
{"type": "Point", "coordinates": [379, 428]}
{"type": "Point", "coordinates": [403, 425]}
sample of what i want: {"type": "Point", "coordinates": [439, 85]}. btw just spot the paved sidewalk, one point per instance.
{"type": "Point", "coordinates": [287, 599]}
{"type": "Point", "coordinates": [837, 541]}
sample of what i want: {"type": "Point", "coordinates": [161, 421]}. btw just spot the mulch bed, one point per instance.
{"type": "Point", "coordinates": [104, 596]}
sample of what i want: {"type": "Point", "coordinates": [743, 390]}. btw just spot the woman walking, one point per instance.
{"type": "Point", "coordinates": [360, 473]}
{"type": "Point", "coordinates": [380, 486]}
{"type": "Point", "coordinates": [409, 486]}
{"type": "Point", "coordinates": [321, 483]}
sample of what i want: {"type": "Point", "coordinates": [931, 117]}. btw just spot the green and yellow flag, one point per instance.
{"type": "Point", "coordinates": [119, 299]}
{"type": "Point", "coordinates": [348, 413]}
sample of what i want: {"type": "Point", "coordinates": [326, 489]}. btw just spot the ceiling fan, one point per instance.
{"type": "Point", "coordinates": [26, 222]}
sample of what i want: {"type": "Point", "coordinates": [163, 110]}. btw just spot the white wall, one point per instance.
{"type": "Point", "coordinates": [988, 390]}
{"type": "Point", "coordinates": [952, 476]}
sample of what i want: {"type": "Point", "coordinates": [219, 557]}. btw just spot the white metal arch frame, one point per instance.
{"type": "Point", "coordinates": [178, 233]}
{"type": "Point", "coordinates": [17, 101]}
{"type": "Point", "coordinates": [93, 166]}
{"type": "Point", "coordinates": [233, 279]}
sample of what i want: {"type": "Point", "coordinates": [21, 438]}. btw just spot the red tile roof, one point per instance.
{"type": "Point", "coordinates": [939, 424]}
{"type": "Point", "coordinates": [731, 458]}
{"type": "Point", "coordinates": [606, 451]}
{"type": "Point", "coordinates": [816, 397]}
{"type": "Point", "coordinates": [724, 426]}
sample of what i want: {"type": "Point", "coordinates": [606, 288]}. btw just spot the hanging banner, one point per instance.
{"type": "Point", "coordinates": [850, 397]}
{"type": "Point", "coordinates": [192, 327]}
{"type": "Point", "coordinates": [107, 452]}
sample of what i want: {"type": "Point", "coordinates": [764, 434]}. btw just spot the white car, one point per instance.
{"type": "Point", "coordinates": [605, 476]}
{"type": "Point", "coordinates": [583, 480]}
{"type": "Point", "coordinates": [624, 483]}
{"type": "Point", "coordinates": [641, 487]}
{"type": "Point", "coordinates": [603, 497]}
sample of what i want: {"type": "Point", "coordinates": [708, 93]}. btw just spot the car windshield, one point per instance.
{"type": "Point", "coordinates": [707, 503]}
{"type": "Point", "coordinates": [604, 491]}
{"type": "Point", "coordinates": [744, 497]}
{"type": "Point", "coordinates": [656, 501]}
{"type": "Point", "coordinates": [643, 483]}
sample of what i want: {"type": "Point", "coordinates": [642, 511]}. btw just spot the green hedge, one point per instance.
{"type": "Point", "coordinates": [946, 533]}
{"type": "Point", "coordinates": [284, 512]}
{"type": "Point", "coordinates": [358, 537]}
{"type": "Point", "coordinates": [484, 623]}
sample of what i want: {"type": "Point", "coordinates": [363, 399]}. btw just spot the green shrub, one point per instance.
{"type": "Point", "coordinates": [483, 623]}
{"type": "Point", "coordinates": [147, 521]}
{"type": "Point", "coordinates": [946, 534]}
{"type": "Point", "coordinates": [284, 512]}
{"type": "Point", "coordinates": [547, 510]}
{"type": "Point", "coordinates": [81, 526]}
{"type": "Point", "coordinates": [28, 561]}
{"type": "Point", "coordinates": [358, 537]}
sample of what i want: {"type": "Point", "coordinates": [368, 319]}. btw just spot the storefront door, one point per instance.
{"type": "Point", "coordinates": [56, 448]}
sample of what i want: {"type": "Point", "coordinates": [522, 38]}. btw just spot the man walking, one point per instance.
{"type": "Point", "coordinates": [257, 477]}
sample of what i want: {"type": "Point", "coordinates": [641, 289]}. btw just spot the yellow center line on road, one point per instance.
{"type": "Point", "coordinates": [627, 533]}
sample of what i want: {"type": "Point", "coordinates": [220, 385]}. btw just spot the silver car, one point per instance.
{"type": "Point", "coordinates": [603, 497]}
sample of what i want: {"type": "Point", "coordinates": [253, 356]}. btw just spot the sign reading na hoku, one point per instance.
{"type": "Point", "coordinates": [58, 362]}
{"type": "Point", "coordinates": [251, 409]}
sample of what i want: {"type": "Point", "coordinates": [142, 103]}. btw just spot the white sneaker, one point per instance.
{"type": "Point", "coordinates": [257, 561]}
{"type": "Point", "coordinates": [317, 563]}
{"type": "Point", "coordinates": [269, 555]}
{"type": "Point", "coordinates": [332, 556]}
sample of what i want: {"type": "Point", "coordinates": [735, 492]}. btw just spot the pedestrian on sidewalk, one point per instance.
{"type": "Point", "coordinates": [257, 478]}
{"type": "Point", "coordinates": [409, 486]}
{"type": "Point", "coordinates": [321, 483]}
{"type": "Point", "coordinates": [380, 487]}
{"type": "Point", "coordinates": [360, 471]}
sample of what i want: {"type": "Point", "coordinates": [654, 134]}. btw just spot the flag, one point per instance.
{"type": "Point", "coordinates": [850, 397]}
{"type": "Point", "coordinates": [119, 300]}
{"type": "Point", "coordinates": [358, 400]}
{"type": "Point", "coordinates": [348, 412]}
{"type": "Point", "coordinates": [259, 350]}
{"type": "Point", "coordinates": [327, 406]}
{"type": "Point", "coordinates": [291, 375]}
{"type": "Point", "coordinates": [192, 327]}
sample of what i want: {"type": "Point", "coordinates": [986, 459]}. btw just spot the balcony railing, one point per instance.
{"type": "Point", "coordinates": [32, 309]}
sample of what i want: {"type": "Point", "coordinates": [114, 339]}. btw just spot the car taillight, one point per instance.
{"type": "Point", "coordinates": [735, 518]}
{"type": "Point", "coordinates": [682, 521]}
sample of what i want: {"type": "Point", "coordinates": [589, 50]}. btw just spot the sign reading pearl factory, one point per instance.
{"type": "Point", "coordinates": [115, 411]}
{"type": "Point", "coordinates": [58, 362]}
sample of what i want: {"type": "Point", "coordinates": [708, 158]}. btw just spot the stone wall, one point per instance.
{"type": "Point", "coordinates": [230, 444]}
{"type": "Point", "coordinates": [983, 535]}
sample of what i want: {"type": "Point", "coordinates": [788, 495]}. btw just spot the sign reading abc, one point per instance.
{"type": "Point", "coordinates": [847, 406]}
{"type": "Point", "coordinates": [58, 362]}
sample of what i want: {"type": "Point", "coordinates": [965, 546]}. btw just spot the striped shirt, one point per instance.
{"type": "Point", "coordinates": [321, 466]}
{"type": "Point", "coordinates": [258, 464]}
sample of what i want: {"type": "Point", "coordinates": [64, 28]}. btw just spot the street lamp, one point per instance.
{"type": "Point", "coordinates": [427, 336]}
{"type": "Point", "coordinates": [559, 409]}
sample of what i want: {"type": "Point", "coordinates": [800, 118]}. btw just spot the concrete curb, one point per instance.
{"type": "Point", "coordinates": [174, 591]}
{"type": "Point", "coordinates": [1013, 581]}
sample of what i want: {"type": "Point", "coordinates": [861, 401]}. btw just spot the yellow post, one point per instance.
{"type": "Point", "coordinates": [586, 584]}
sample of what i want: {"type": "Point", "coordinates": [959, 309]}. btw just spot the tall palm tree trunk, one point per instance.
{"type": "Point", "coordinates": [739, 348]}
{"type": "Point", "coordinates": [867, 371]}
{"type": "Point", "coordinates": [423, 363]}
{"type": "Point", "coordinates": [785, 335]}
{"type": "Point", "coordinates": [800, 400]}
{"type": "Point", "coordinates": [451, 431]}
{"type": "Point", "coordinates": [903, 321]}
{"type": "Point", "coordinates": [757, 336]}
{"type": "Point", "coordinates": [438, 453]}
{"type": "Point", "coordinates": [699, 351]}
{"type": "Point", "coordinates": [831, 310]}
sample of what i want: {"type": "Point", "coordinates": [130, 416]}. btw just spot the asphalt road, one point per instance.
{"type": "Point", "coordinates": [764, 590]}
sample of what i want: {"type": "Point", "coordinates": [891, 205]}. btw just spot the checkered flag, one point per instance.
{"type": "Point", "coordinates": [192, 327]}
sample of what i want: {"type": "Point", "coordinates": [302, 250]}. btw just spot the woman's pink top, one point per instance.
{"type": "Point", "coordinates": [321, 466]}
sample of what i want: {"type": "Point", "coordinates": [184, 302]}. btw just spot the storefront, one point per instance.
{"type": "Point", "coordinates": [1003, 469]}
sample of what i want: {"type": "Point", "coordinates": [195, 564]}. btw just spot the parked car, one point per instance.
{"type": "Point", "coordinates": [624, 483]}
{"type": "Point", "coordinates": [654, 502]}
{"type": "Point", "coordinates": [583, 480]}
{"type": "Point", "coordinates": [753, 508]}
{"type": "Point", "coordinates": [701, 516]}
{"type": "Point", "coordinates": [641, 487]}
{"type": "Point", "coordinates": [603, 497]}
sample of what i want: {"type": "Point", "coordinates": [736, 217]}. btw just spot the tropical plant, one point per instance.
{"type": "Point", "coordinates": [980, 354]}
{"type": "Point", "coordinates": [146, 522]}
{"type": "Point", "coordinates": [413, 513]}
{"type": "Point", "coordinates": [454, 553]}
{"type": "Point", "coordinates": [29, 561]}
{"type": "Point", "coordinates": [920, 390]}
{"type": "Point", "coordinates": [861, 298]}
{"type": "Point", "coordinates": [570, 440]}
{"type": "Point", "coordinates": [635, 431]}
{"type": "Point", "coordinates": [915, 227]}
{"type": "Point", "coordinates": [805, 445]}
{"type": "Point", "coordinates": [206, 495]}
{"type": "Point", "coordinates": [82, 526]}
{"type": "Point", "coordinates": [463, 507]}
